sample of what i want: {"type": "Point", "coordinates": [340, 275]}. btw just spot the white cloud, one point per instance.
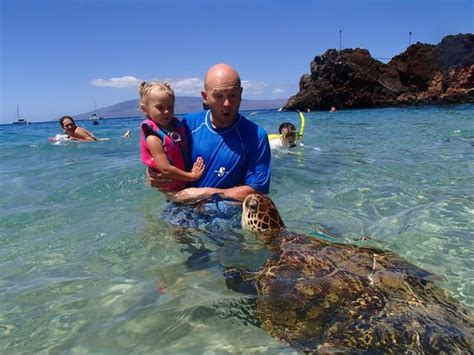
{"type": "Point", "coordinates": [182, 86]}
{"type": "Point", "coordinates": [123, 82]}
{"type": "Point", "coordinates": [186, 86]}
{"type": "Point", "coordinates": [254, 87]}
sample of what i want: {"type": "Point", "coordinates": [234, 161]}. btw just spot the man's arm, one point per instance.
{"type": "Point", "coordinates": [156, 179]}
{"type": "Point", "coordinates": [198, 193]}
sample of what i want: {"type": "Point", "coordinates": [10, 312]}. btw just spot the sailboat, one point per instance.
{"type": "Point", "coordinates": [18, 119]}
{"type": "Point", "coordinates": [94, 117]}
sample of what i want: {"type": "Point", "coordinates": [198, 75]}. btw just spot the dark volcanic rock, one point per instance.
{"type": "Point", "coordinates": [423, 74]}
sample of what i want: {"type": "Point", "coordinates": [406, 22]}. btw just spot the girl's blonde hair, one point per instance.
{"type": "Point", "coordinates": [146, 86]}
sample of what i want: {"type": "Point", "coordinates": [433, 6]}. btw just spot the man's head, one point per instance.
{"type": "Point", "coordinates": [223, 94]}
{"type": "Point", "coordinates": [289, 136]}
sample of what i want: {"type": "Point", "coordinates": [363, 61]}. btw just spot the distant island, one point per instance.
{"type": "Point", "coordinates": [423, 74]}
{"type": "Point", "coordinates": [184, 104]}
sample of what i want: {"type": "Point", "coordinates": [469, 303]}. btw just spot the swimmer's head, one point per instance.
{"type": "Point", "coordinates": [67, 123]}
{"type": "Point", "coordinates": [289, 136]}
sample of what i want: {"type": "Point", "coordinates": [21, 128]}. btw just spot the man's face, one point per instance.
{"type": "Point", "coordinates": [224, 103]}
{"type": "Point", "coordinates": [223, 94]}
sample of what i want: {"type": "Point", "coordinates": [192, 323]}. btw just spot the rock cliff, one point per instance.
{"type": "Point", "coordinates": [423, 74]}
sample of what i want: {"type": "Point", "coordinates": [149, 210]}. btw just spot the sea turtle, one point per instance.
{"type": "Point", "coordinates": [323, 297]}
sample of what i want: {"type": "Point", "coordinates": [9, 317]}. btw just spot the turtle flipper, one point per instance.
{"type": "Point", "coordinates": [240, 280]}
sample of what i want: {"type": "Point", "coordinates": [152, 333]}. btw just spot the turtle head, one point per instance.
{"type": "Point", "coordinates": [260, 214]}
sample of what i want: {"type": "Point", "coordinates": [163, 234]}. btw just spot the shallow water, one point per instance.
{"type": "Point", "coordinates": [88, 264]}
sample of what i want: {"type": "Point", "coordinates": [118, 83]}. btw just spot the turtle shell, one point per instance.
{"type": "Point", "coordinates": [330, 297]}
{"type": "Point", "coordinates": [322, 296]}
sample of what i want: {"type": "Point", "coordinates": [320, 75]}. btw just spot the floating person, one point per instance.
{"type": "Point", "coordinates": [288, 137]}
{"type": "Point", "coordinates": [333, 109]}
{"type": "Point", "coordinates": [73, 132]}
{"type": "Point", "coordinates": [163, 138]}
{"type": "Point", "coordinates": [126, 135]}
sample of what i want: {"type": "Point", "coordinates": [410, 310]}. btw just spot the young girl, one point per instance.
{"type": "Point", "coordinates": [164, 143]}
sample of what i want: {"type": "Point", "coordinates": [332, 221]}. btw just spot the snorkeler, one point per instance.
{"type": "Point", "coordinates": [288, 137]}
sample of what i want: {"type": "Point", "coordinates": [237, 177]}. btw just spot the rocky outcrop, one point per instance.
{"type": "Point", "coordinates": [423, 74]}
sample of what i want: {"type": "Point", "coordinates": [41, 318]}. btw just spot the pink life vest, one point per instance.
{"type": "Point", "coordinates": [175, 146]}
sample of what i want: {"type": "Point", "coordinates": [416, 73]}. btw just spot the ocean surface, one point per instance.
{"type": "Point", "coordinates": [90, 263]}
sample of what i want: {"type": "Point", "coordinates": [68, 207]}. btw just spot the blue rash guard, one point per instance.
{"type": "Point", "coordinates": [234, 156]}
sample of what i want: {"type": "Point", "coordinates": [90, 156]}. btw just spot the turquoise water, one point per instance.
{"type": "Point", "coordinates": [89, 266]}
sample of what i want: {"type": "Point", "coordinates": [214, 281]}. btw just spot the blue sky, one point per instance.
{"type": "Point", "coordinates": [57, 57]}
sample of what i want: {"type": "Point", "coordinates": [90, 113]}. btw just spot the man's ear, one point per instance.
{"type": "Point", "coordinates": [204, 96]}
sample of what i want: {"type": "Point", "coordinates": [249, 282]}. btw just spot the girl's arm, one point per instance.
{"type": "Point", "coordinates": [167, 170]}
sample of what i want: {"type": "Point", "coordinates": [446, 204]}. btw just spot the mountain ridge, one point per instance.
{"type": "Point", "coordinates": [183, 104]}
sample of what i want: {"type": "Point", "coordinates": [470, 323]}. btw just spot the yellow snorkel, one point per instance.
{"type": "Point", "coordinates": [300, 133]}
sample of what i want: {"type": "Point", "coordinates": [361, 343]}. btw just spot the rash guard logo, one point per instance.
{"type": "Point", "coordinates": [221, 172]}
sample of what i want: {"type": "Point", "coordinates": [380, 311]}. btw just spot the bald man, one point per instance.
{"type": "Point", "coordinates": [235, 150]}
